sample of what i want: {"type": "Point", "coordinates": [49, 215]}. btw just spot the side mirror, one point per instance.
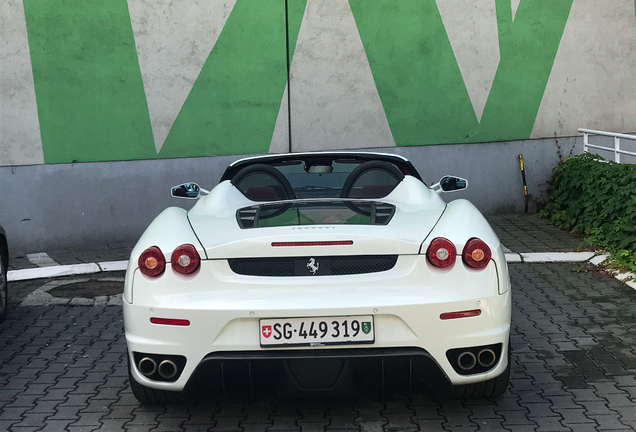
{"type": "Point", "coordinates": [186, 190]}
{"type": "Point", "coordinates": [450, 184]}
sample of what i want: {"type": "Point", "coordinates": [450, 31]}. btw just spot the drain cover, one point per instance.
{"type": "Point", "coordinates": [88, 289]}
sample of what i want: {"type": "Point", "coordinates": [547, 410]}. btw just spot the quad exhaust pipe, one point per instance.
{"type": "Point", "coordinates": [474, 360]}
{"type": "Point", "coordinates": [486, 357]}
{"type": "Point", "coordinates": [147, 366]}
{"type": "Point", "coordinates": [167, 369]}
{"type": "Point", "coordinates": [466, 361]}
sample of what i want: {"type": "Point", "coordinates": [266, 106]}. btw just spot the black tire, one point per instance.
{"type": "Point", "coordinates": [149, 396]}
{"type": "Point", "coordinates": [4, 290]}
{"type": "Point", "coordinates": [493, 388]}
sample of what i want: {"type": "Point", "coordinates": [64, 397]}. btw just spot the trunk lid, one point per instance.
{"type": "Point", "coordinates": [371, 229]}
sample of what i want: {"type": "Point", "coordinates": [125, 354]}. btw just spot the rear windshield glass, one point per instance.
{"type": "Point", "coordinates": [316, 213]}
{"type": "Point", "coordinates": [320, 180]}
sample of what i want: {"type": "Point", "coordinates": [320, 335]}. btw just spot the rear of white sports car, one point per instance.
{"type": "Point", "coordinates": [318, 292]}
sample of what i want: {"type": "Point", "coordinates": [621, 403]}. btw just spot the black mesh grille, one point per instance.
{"type": "Point", "coordinates": [305, 266]}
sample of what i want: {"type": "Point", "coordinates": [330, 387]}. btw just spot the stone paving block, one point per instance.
{"type": "Point", "coordinates": [137, 428]}
{"type": "Point", "coordinates": [457, 418]}
{"type": "Point", "coordinates": [256, 416]}
{"type": "Point", "coordinates": [466, 428]}
{"type": "Point", "coordinates": [254, 427]}
{"type": "Point", "coordinates": [399, 421]}
{"type": "Point", "coordinates": [5, 425]}
{"type": "Point", "coordinates": [56, 394]}
{"type": "Point", "coordinates": [17, 428]}
{"type": "Point", "coordinates": [341, 422]}
{"type": "Point", "coordinates": [594, 408]}
{"type": "Point", "coordinates": [33, 419]}
{"type": "Point", "coordinates": [22, 401]}
{"type": "Point", "coordinates": [516, 418]}
{"type": "Point", "coordinates": [15, 413]}
{"type": "Point", "coordinates": [489, 424]}
{"type": "Point", "coordinates": [282, 423]}
{"type": "Point", "coordinates": [111, 425]}
{"type": "Point", "coordinates": [173, 424]}
{"type": "Point", "coordinates": [370, 415]}
{"type": "Point", "coordinates": [88, 419]}
{"type": "Point", "coordinates": [574, 416]}
{"type": "Point", "coordinates": [609, 422]}
{"type": "Point", "coordinates": [550, 424]}
{"type": "Point", "coordinates": [312, 427]}
{"type": "Point", "coordinates": [426, 412]}
{"type": "Point", "coordinates": [371, 426]}
{"type": "Point", "coordinates": [56, 425]}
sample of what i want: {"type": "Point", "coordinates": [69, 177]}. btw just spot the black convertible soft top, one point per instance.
{"type": "Point", "coordinates": [312, 158]}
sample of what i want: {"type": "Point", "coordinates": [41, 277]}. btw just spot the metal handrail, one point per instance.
{"type": "Point", "coordinates": [617, 142]}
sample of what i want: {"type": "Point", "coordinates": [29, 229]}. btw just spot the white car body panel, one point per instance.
{"type": "Point", "coordinates": [406, 301]}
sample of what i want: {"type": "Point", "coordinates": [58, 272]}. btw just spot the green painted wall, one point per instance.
{"type": "Point", "coordinates": [421, 86]}
{"type": "Point", "coordinates": [235, 101]}
{"type": "Point", "coordinates": [91, 100]}
{"type": "Point", "coordinates": [90, 95]}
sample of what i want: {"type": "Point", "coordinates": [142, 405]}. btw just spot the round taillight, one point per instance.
{"type": "Point", "coordinates": [441, 252]}
{"type": "Point", "coordinates": [185, 259]}
{"type": "Point", "coordinates": [152, 262]}
{"type": "Point", "coordinates": [476, 253]}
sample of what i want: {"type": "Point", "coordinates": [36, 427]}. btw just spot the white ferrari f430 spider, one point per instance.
{"type": "Point", "coordinates": [318, 270]}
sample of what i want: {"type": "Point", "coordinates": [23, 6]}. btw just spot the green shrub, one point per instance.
{"type": "Point", "coordinates": [591, 196]}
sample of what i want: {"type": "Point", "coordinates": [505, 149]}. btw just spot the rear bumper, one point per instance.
{"type": "Point", "coordinates": [339, 371]}
{"type": "Point", "coordinates": [416, 328]}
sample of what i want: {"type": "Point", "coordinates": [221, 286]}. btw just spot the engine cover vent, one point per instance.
{"type": "Point", "coordinates": [312, 266]}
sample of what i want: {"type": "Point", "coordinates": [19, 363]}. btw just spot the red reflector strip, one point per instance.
{"type": "Point", "coordinates": [314, 243]}
{"type": "Point", "coordinates": [462, 314]}
{"type": "Point", "coordinates": [169, 321]}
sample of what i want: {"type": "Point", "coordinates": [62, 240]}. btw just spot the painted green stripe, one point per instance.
{"type": "Point", "coordinates": [233, 105]}
{"type": "Point", "coordinates": [421, 87]}
{"type": "Point", "coordinates": [418, 79]}
{"type": "Point", "coordinates": [295, 13]}
{"type": "Point", "coordinates": [528, 48]}
{"type": "Point", "coordinates": [91, 102]}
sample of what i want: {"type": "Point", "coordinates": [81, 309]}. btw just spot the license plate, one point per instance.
{"type": "Point", "coordinates": [317, 331]}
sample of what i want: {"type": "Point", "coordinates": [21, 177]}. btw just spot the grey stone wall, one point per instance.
{"type": "Point", "coordinates": [46, 207]}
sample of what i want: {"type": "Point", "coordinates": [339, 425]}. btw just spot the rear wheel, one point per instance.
{"type": "Point", "coordinates": [4, 291]}
{"type": "Point", "coordinates": [492, 388]}
{"type": "Point", "coordinates": [149, 396]}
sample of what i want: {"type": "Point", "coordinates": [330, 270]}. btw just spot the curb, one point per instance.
{"type": "Point", "coordinates": [65, 270]}
{"type": "Point", "coordinates": [107, 266]}
{"type": "Point", "coordinates": [548, 257]}
{"type": "Point", "coordinates": [600, 259]}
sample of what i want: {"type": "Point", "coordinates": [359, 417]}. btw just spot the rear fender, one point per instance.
{"type": "Point", "coordinates": [168, 231]}
{"type": "Point", "coordinates": [462, 221]}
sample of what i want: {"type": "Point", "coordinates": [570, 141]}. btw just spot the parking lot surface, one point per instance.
{"type": "Point", "coordinates": [63, 368]}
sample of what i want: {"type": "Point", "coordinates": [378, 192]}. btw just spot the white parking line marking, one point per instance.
{"type": "Point", "coordinates": [599, 259]}
{"type": "Point", "coordinates": [513, 257]}
{"type": "Point", "coordinates": [49, 272]}
{"type": "Point", "coordinates": [41, 259]}
{"type": "Point", "coordinates": [113, 265]}
{"type": "Point", "coordinates": [556, 257]}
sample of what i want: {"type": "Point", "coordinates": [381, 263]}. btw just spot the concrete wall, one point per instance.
{"type": "Point", "coordinates": [87, 80]}
{"type": "Point", "coordinates": [105, 105]}
{"type": "Point", "coordinates": [52, 206]}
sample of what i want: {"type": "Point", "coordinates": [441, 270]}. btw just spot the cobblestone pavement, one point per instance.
{"type": "Point", "coordinates": [62, 368]}
{"type": "Point", "coordinates": [524, 233]}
